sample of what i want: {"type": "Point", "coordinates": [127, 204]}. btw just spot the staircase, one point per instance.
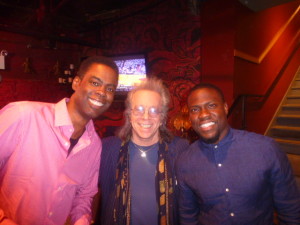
{"type": "Point", "coordinates": [285, 126]}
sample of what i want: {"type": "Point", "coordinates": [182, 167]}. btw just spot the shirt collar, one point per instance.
{"type": "Point", "coordinates": [62, 117]}
{"type": "Point", "coordinates": [225, 140]}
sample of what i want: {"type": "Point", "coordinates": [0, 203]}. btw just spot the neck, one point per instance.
{"type": "Point", "coordinates": [144, 142]}
{"type": "Point", "coordinates": [78, 121]}
{"type": "Point", "coordinates": [77, 133]}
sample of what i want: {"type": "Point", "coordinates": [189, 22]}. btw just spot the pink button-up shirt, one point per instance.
{"type": "Point", "coordinates": [39, 183]}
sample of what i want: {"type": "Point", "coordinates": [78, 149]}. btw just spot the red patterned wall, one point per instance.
{"type": "Point", "coordinates": [34, 90]}
{"type": "Point", "coordinates": [168, 33]}
{"type": "Point", "coordinates": [31, 71]}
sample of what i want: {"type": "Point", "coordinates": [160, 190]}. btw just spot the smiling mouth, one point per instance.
{"type": "Point", "coordinates": [145, 125]}
{"type": "Point", "coordinates": [206, 125]}
{"type": "Point", "coordinates": [96, 103]}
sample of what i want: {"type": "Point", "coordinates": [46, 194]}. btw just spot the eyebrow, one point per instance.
{"type": "Point", "coordinates": [101, 81]}
{"type": "Point", "coordinates": [156, 107]}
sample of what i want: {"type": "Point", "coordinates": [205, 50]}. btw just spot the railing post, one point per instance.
{"type": "Point", "coordinates": [244, 98]}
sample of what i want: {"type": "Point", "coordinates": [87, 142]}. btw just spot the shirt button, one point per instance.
{"type": "Point", "coordinates": [219, 165]}
{"type": "Point", "coordinates": [59, 188]}
{"type": "Point", "coordinates": [231, 214]}
{"type": "Point", "coordinates": [66, 143]}
{"type": "Point", "coordinates": [71, 130]}
{"type": "Point", "coordinates": [227, 189]}
{"type": "Point", "coordinates": [216, 146]}
{"type": "Point", "coordinates": [50, 213]}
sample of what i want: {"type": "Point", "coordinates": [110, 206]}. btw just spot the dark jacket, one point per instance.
{"type": "Point", "coordinates": [109, 159]}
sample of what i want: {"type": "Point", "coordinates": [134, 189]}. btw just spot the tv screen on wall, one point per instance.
{"type": "Point", "coordinates": [132, 70]}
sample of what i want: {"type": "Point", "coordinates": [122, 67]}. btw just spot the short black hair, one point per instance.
{"type": "Point", "coordinates": [207, 85]}
{"type": "Point", "coordinates": [84, 66]}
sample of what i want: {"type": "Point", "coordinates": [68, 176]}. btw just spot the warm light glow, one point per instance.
{"type": "Point", "coordinates": [181, 120]}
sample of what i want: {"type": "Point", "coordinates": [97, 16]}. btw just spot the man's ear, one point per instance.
{"type": "Point", "coordinates": [76, 83]}
{"type": "Point", "coordinates": [226, 108]}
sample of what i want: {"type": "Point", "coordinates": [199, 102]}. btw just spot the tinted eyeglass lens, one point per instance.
{"type": "Point", "coordinates": [140, 111]}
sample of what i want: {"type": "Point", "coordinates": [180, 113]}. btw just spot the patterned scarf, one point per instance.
{"type": "Point", "coordinates": [164, 187]}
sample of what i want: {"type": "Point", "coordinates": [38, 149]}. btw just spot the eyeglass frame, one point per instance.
{"type": "Point", "coordinates": [140, 110]}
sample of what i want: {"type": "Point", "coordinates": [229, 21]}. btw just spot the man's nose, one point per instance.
{"type": "Point", "coordinates": [101, 90]}
{"type": "Point", "coordinates": [146, 114]}
{"type": "Point", "coordinates": [204, 113]}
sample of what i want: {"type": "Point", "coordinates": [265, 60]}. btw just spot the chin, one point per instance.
{"type": "Point", "coordinates": [210, 140]}
{"type": "Point", "coordinates": [95, 115]}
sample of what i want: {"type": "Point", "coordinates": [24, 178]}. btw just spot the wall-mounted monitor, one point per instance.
{"type": "Point", "coordinates": [132, 70]}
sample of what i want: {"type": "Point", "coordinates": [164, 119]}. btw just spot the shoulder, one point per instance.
{"type": "Point", "coordinates": [178, 144]}
{"type": "Point", "coordinates": [190, 156]}
{"type": "Point", "coordinates": [110, 146]}
{"type": "Point", "coordinates": [178, 141]}
{"type": "Point", "coordinates": [25, 106]}
{"type": "Point", "coordinates": [256, 145]}
{"type": "Point", "coordinates": [111, 141]}
{"type": "Point", "coordinates": [190, 151]}
{"type": "Point", "coordinates": [23, 109]}
{"type": "Point", "coordinates": [252, 139]}
{"type": "Point", "coordinates": [109, 157]}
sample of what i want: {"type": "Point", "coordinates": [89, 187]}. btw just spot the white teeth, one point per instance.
{"type": "Point", "coordinates": [207, 124]}
{"type": "Point", "coordinates": [94, 102]}
{"type": "Point", "coordinates": [145, 125]}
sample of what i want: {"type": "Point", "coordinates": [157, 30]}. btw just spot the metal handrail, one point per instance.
{"type": "Point", "coordinates": [242, 98]}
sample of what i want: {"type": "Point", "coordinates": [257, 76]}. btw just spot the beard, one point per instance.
{"type": "Point", "coordinates": [211, 140]}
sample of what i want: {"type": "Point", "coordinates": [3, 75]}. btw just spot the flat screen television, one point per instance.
{"type": "Point", "coordinates": [132, 70]}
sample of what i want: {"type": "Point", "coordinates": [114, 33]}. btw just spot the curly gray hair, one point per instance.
{"type": "Point", "coordinates": [151, 84]}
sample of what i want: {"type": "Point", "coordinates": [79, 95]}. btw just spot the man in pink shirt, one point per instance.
{"type": "Point", "coordinates": [50, 153]}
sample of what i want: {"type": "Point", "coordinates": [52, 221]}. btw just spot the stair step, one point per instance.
{"type": "Point", "coordinates": [291, 116]}
{"type": "Point", "coordinates": [286, 128]}
{"type": "Point", "coordinates": [293, 99]}
{"type": "Point", "coordinates": [289, 146]}
{"type": "Point", "coordinates": [293, 96]}
{"type": "Point", "coordinates": [296, 82]}
{"type": "Point", "coordinates": [289, 120]}
{"type": "Point", "coordinates": [286, 141]}
{"type": "Point", "coordinates": [291, 105]}
{"type": "Point", "coordinates": [294, 92]}
{"type": "Point", "coordinates": [290, 109]}
{"type": "Point", "coordinates": [295, 162]}
{"type": "Point", "coordinates": [288, 132]}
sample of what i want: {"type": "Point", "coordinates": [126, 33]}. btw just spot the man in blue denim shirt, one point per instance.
{"type": "Point", "coordinates": [231, 176]}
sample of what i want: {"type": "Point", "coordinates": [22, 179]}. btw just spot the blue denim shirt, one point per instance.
{"type": "Point", "coordinates": [240, 180]}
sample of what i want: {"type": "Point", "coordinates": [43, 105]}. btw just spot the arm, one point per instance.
{"type": "Point", "coordinates": [187, 200]}
{"type": "Point", "coordinates": [10, 130]}
{"type": "Point", "coordinates": [109, 160]}
{"type": "Point", "coordinates": [81, 213]}
{"type": "Point", "coordinates": [4, 220]}
{"type": "Point", "coordinates": [285, 191]}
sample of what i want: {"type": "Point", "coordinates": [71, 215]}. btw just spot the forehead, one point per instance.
{"type": "Point", "coordinates": [103, 72]}
{"type": "Point", "coordinates": [204, 95]}
{"type": "Point", "coordinates": [146, 98]}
